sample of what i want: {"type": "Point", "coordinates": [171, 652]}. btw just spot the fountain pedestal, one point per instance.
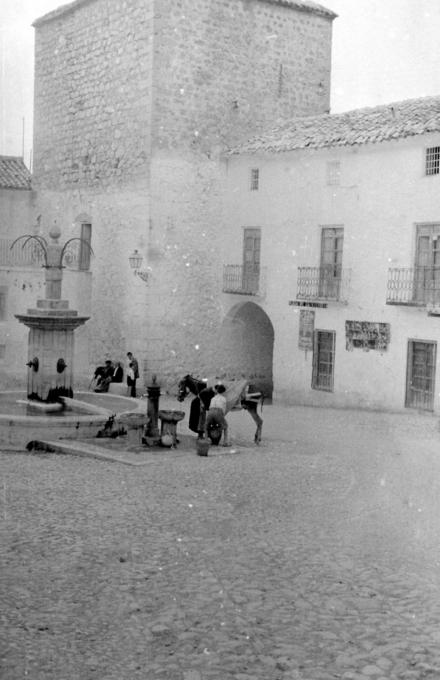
{"type": "Point", "coordinates": [50, 349]}
{"type": "Point", "coordinates": [151, 436]}
{"type": "Point", "coordinates": [169, 420]}
{"type": "Point", "coordinates": [51, 336]}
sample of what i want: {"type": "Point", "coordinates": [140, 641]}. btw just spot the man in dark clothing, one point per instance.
{"type": "Point", "coordinates": [118, 373]}
{"type": "Point", "coordinates": [205, 397]}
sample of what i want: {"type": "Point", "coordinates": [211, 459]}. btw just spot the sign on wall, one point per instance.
{"type": "Point", "coordinates": [306, 328]}
{"type": "Point", "coordinates": [367, 335]}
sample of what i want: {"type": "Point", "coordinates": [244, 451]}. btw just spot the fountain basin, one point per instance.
{"type": "Point", "coordinates": [82, 418]}
{"type": "Point", "coordinates": [171, 416]}
{"type": "Point", "coordinates": [169, 420]}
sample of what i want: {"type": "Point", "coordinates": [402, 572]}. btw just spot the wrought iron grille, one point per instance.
{"type": "Point", "coordinates": [433, 160]}
{"type": "Point", "coordinates": [244, 281]}
{"type": "Point", "coordinates": [416, 286]}
{"type": "Point", "coordinates": [31, 255]}
{"type": "Point", "coordinates": [323, 283]}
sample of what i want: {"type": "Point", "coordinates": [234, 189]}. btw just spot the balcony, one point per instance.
{"type": "Point", "coordinates": [31, 255]}
{"type": "Point", "coordinates": [241, 281]}
{"type": "Point", "coordinates": [323, 284]}
{"type": "Point", "coordinates": [414, 287]}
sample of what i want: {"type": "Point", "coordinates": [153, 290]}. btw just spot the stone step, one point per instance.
{"type": "Point", "coordinates": [77, 448]}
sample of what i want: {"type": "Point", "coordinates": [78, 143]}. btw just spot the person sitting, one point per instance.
{"type": "Point", "coordinates": [98, 374]}
{"type": "Point", "coordinates": [217, 412]}
{"type": "Point", "coordinates": [104, 376]}
{"type": "Point", "coordinates": [118, 373]}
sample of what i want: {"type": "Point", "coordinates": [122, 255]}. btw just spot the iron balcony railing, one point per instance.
{"type": "Point", "coordinates": [328, 283]}
{"type": "Point", "coordinates": [240, 280]}
{"type": "Point", "coordinates": [31, 255]}
{"type": "Point", "coordinates": [416, 286]}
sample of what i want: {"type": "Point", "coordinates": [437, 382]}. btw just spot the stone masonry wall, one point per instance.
{"type": "Point", "coordinates": [92, 96]}
{"type": "Point", "coordinates": [225, 69]}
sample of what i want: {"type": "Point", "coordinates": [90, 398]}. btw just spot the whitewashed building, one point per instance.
{"type": "Point", "coordinates": [334, 223]}
{"type": "Point", "coordinates": [19, 277]}
{"type": "Point", "coordinates": [22, 273]}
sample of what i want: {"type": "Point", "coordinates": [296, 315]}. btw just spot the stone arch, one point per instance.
{"type": "Point", "coordinates": [247, 338]}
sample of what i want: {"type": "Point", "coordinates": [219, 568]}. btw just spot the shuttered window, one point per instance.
{"type": "Point", "coordinates": [323, 360]}
{"type": "Point", "coordinates": [3, 302]}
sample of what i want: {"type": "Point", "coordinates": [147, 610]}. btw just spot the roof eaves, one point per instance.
{"type": "Point", "coordinates": [410, 118]}
{"type": "Point", "coordinates": [14, 174]}
{"type": "Point", "coordinates": [60, 11]}
{"type": "Point", "coordinates": [301, 5]}
{"type": "Point", "coordinates": [305, 6]}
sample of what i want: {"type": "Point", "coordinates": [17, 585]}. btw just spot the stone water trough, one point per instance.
{"type": "Point", "coordinates": [82, 418]}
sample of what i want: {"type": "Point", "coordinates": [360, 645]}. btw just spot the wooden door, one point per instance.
{"type": "Point", "coordinates": [420, 375]}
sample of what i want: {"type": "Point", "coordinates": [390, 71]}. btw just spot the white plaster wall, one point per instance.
{"type": "Point", "coordinates": [16, 218]}
{"type": "Point", "coordinates": [383, 193]}
{"type": "Point", "coordinates": [109, 293]}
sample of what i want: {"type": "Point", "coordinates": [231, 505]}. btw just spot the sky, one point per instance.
{"type": "Point", "coordinates": [383, 51]}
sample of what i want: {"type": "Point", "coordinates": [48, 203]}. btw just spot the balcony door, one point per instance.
{"type": "Point", "coordinates": [332, 243]}
{"type": "Point", "coordinates": [251, 259]}
{"type": "Point", "coordinates": [420, 375]}
{"type": "Point", "coordinates": [84, 246]}
{"type": "Point", "coordinates": [427, 264]}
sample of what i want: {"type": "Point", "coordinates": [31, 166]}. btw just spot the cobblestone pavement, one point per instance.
{"type": "Point", "coordinates": [314, 556]}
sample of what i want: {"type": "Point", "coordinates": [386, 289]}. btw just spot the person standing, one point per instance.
{"type": "Point", "coordinates": [132, 373]}
{"type": "Point", "coordinates": [217, 412]}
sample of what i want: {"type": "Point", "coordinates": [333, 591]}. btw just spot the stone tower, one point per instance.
{"type": "Point", "coordinates": [134, 104]}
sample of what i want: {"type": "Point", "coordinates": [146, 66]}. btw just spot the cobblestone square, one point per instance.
{"type": "Point", "coordinates": [313, 556]}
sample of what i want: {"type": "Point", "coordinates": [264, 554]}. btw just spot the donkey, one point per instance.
{"type": "Point", "coordinates": [237, 395]}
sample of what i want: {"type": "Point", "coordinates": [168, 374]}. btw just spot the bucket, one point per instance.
{"type": "Point", "coordinates": [202, 447]}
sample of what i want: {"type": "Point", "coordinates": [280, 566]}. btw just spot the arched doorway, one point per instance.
{"type": "Point", "coordinates": [247, 338]}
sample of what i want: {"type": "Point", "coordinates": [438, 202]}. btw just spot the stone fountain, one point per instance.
{"type": "Point", "coordinates": [51, 336]}
{"type": "Point", "coordinates": [50, 409]}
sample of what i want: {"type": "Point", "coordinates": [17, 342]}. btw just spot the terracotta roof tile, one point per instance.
{"type": "Point", "coordinates": [13, 173]}
{"type": "Point", "coordinates": [361, 126]}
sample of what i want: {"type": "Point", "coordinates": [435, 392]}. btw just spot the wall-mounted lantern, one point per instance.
{"type": "Point", "coordinates": [135, 260]}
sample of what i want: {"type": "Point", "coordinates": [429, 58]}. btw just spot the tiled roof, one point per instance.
{"type": "Point", "coordinates": [361, 126]}
{"type": "Point", "coordinates": [13, 173]}
{"type": "Point", "coordinates": [302, 5]}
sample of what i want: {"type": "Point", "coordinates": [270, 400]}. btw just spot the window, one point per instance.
{"type": "Point", "coordinates": [255, 179]}
{"type": "Point", "coordinates": [332, 242]}
{"type": "Point", "coordinates": [333, 173]}
{"type": "Point", "coordinates": [84, 246]}
{"type": "Point", "coordinates": [427, 264]}
{"type": "Point", "coordinates": [3, 301]}
{"type": "Point", "coordinates": [432, 160]}
{"type": "Point", "coordinates": [323, 360]}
